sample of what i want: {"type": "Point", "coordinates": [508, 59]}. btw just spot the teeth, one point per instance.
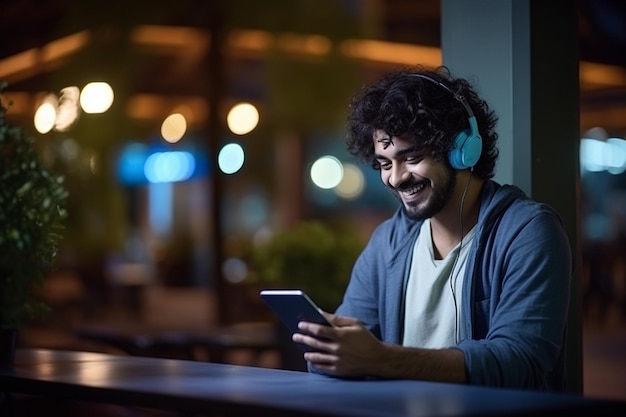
{"type": "Point", "coordinates": [414, 190]}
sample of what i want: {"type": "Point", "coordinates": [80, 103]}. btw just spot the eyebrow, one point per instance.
{"type": "Point", "coordinates": [386, 141]}
{"type": "Point", "coordinates": [401, 152]}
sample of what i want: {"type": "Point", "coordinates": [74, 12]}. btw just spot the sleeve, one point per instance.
{"type": "Point", "coordinates": [520, 311]}
{"type": "Point", "coordinates": [360, 298]}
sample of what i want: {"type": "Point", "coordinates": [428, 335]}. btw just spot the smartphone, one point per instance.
{"type": "Point", "coordinates": [293, 306]}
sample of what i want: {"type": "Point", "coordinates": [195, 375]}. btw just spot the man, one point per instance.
{"type": "Point", "coordinates": [468, 281]}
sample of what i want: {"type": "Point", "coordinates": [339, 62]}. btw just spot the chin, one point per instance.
{"type": "Point", "coordinates": [414, 213]}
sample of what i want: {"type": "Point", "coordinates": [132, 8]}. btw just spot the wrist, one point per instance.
{"type": "Point", "coordinates": [384, 362]}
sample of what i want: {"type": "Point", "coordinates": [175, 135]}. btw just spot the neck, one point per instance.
{"type": "Point", "coordinates": [458, 216]}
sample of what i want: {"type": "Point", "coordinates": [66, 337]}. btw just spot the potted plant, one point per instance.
{"type": "Point", "coordinates": [32, 207]}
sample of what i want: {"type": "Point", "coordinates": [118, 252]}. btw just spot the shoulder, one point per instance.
{"type": "Point", "coordinates": [510, 201]}
{"type": "Point", "coordinates": [509, 214]}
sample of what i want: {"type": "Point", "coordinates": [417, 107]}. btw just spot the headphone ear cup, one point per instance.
{"type": "Point", "coordinates": [467, 147]}
{"type": "Point", "coordinates": [466, 150]}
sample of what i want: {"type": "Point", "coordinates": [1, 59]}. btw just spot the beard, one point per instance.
{"type": "Point", "coordinates": [438, 199]}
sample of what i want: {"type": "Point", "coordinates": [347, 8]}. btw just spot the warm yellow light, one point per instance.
{"type": "Point", "coordinates": [352, 183]}
{"type": "Point", "coordinates": [255, 40]}
{"type": "Point", "coordinates": [174, 127]}
{"type": "Point", "coordinates": [68, 109]}
{"type": "Point", "coordinates": [391, 52]}
{"type": "Point", "coordinates": [172, 39]}
{"type": "Point", "coordinates": [311, 44]}
{"type": "Point", "coordinates": [242, 118]}
{"type": "Point", "coordinates": [601, 75]}
{"type": "Point", "coordinates": [46, 114]}
{"type": "Point", "coordinates": [96, 97]}
{"type": "Point", "coordinates": [38, 60]}
{"type": "Point", "coordinates": [65, 46]}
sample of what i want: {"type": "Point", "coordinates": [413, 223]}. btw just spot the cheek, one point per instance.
{"type": "Point", "coordinates": [384, 177]}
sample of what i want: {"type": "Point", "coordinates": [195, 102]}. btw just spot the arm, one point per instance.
{"type": "Point", "coordinates": [516, 335]}
{"type": "Point", "coordinates": [520, 304]}
{"type": "Point", "coordinates": [349, 350]}
{"type": "Point", "coordinates": [374, 293]}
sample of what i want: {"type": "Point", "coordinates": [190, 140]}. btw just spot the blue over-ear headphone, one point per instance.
{"type": "Point", "coordinates": [467, 144]}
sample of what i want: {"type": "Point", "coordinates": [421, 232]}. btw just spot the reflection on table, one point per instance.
{"type": "Point", "coordinates": [231, 390]}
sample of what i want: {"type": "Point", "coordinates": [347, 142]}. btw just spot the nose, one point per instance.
{"type": "Point", "coordinates": [398, 174]}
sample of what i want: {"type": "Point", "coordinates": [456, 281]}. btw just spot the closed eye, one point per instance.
{"type": "Point", "coordinates": [411, 156]}
{"type": "Point", "coordinates": [384, 165]}
{"type": "Point", "coordinates": [414, 159]}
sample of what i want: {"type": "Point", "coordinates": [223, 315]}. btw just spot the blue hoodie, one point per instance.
{"type": "Point", "coordinates": [515, 291]}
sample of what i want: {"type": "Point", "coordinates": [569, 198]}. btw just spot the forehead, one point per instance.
{"type": "Point", "coordinates": [379, 135]}
{"type": "Point", "coordinates": [385, 142]}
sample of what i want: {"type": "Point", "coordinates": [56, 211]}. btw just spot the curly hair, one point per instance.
{"type": "Point", "coordinates": [402, 104]}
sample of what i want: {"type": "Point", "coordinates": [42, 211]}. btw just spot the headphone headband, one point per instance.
{"type": "Point", "coordinates": [458, 97]}
{"type": "Point", "coordinates": [467, 144]}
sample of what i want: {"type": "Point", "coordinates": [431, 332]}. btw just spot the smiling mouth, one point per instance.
{"type": "Point", "coordinates": [412, 190]}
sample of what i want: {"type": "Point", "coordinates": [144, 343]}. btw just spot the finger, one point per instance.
{"type": "Point", "coordinates": [313, 342]}
{"type": "Point", "coordinates": [323, 362]}
{"type": "Point", "coordinates": [317, 330]}
{"type": "Point", "coordinates": [344, 321]}
{"type": "Point", "coordinates": [320, 359]}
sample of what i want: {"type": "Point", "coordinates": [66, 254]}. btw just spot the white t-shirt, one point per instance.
{"type": "Point", "coordinates": [432, 309]}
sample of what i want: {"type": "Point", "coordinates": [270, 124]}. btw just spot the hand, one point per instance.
{"type": "Point", "coordinates": [347, 349]}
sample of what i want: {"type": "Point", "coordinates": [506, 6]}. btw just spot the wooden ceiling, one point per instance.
{"type": "Point", "coordinates": [30, 25]}
{"type": "Point", "coordinates": [26, 24]}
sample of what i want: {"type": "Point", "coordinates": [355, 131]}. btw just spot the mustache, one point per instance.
{"type": "Point", "coordinates": [409, 184]}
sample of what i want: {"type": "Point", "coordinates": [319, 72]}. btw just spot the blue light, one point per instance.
{"type": "Point", "coordinates": [140, 164]}
{"type": "Point", "coordinates": [131, 162]}
{"type": "Point", "coordinates": [169, 166]}
{"type": "Point", "coordinates": [231, 158]}
{"type": "Point", "coordinates": [160, 207]}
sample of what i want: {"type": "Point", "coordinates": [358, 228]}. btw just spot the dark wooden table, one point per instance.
{"type": "Point", "coordinates": [139, 340]}
{"type": "Point", "coordinates": [230, 390]}
{"type": "Point", "coordinates": [214, 343]}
